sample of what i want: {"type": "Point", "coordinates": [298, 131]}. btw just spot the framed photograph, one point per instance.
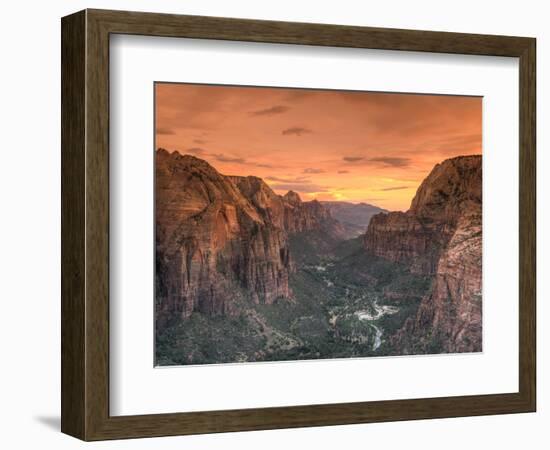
{"type": "Point", "coordinates": [273, 225]}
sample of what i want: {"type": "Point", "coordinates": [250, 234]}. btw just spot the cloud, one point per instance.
{"type": "Point", "coordinates": [277, 109]}
{"type": "Point", "coordinates": [343, 171]}
{"type": "Point", "coordinates": [289, 180]}
{"type": "Point", "coordinates": [305, 188]}
{"type": "Point", "coordinates": [199, 141]}
{"type": "Point", "coordinates": [396, 188]}
{"type": "Point", "coordinates": [380, 160]}
{"type": "Point", "coordinates": [311, 170]}
{"type": "Point", "coordinates": [298, 131]}
{"type": "Point", "coordinates": [161, 130]}
{"type": "Point", "coordinates": [391, 161]}
{"type": "Point", "coordinates": [458, 143]}
{"type": "Point", "coordinates": [353, 158]}
{"type": "Point", "coordinates": [223, 158]}
{"type": "Point", "coordinates": [197, 150]}
{"type": "Point", "coordinates": [232, 159]}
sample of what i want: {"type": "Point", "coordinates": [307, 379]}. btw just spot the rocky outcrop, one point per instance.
{"type": "Point", "coordinates": [440, 235]}
{"type": "Point", "coordinates": [407, 239]}
{"type": "Point", "coordinates": [213, 246]}
{"type": "Point", "coordinates": [418, 237]}
{"type": "Point", "coordinates": [269, 205]}
{"type": "Point", "coordinates": [287, 212]}
{"type": "Point", "coordinates": [304, 216]}
{"type": "Point", "coordinates": [454, 305]}
{"type": "Point", "coordinates": [222, 240]}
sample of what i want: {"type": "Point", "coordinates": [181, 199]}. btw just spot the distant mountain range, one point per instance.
{"type": "Point", "coordinates": [354, 216]}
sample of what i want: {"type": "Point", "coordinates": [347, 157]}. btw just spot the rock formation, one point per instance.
{"type": "Point", "coordinates": [303, 216]}
{"type": "Point", "coordinates": [439, 235]}
{"type": "Point", "coordinates": [222, 240]}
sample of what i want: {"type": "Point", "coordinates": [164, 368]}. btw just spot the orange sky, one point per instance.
{"type": "Point", "coordinates": [330, 145]}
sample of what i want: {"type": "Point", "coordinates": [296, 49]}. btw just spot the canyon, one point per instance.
{"type": "Point", "coordinates": [245, 274]}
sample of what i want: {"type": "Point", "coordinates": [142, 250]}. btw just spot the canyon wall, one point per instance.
{"type": "Point", "coordinates": [221, 240]}
{"type": "Point", "coordinates": [440, 235]}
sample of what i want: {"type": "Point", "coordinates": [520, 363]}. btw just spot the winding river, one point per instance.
{"type": "Point", "coordinates": [380, 311]}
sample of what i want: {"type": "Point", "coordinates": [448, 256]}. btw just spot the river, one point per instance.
{"type": "Point", "coordinates": [380, 311]}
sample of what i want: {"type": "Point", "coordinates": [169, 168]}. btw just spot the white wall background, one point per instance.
{"type": "Point", "coordinates": [30, 225]}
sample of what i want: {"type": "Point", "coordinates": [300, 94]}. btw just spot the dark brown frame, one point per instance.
{"type": "Point", "coordinates": [85, 224]}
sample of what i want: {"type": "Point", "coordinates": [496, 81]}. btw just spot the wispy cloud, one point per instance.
{"type": "Point", "coordinates": [312, 170]}
{"type": "Point", "coordinates": [343, 171]}
{"type": "Point", "coordinates": [199, 141]}
{"type": "Point", "coordinates": [353, 158]}
{"type": "Point", "coordinates": [305, 188]}
{"type": "Point", "coordinates": [396, 188]}
{"type": "Point", "coordinates": [277, 109]}
{"type": "Point", "coordinates": [166, 131]}
{"type": "Point", "coordinates": [383, 161]}
{"type": "Point", "coordinates": [296, 131]}
{"type": "Point", "coordinates": [223, 158]}
{"type": "Point", "coordinates": [458, 143]}
{"type": "Point", "coordinates": [391, 161]}
{"type": "Point", "coordinates": [288, 180]}
{"type": "Point", "coordinates": [197, 150]}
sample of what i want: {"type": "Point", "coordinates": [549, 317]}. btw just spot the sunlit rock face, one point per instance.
{"type": "Point", "coordinates": [440, 235]}
{"type": "Point", "coordinates": [222, 240]}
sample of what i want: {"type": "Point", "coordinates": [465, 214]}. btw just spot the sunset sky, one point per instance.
{"type": "Point", "coordinates": [329, 145]}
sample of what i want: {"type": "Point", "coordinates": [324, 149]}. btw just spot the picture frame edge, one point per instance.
{"type": "Point", "coordinates": [85, 229]}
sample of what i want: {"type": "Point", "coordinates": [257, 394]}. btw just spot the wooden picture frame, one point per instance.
{"type": "Point", "coordinates": [85, 224]}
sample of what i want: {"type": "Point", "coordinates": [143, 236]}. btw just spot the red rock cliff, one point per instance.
{"type": "Point", "coordinates": [221, 239]}
{"type": "Point", "coordinates": [214, 247]}
{"type": "Point", "coordinates": [440, 235]}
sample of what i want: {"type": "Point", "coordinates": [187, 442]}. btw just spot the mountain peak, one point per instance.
{"type": "Point", "coordinates": [449, 197]}
{"type": "Point", "coordinates": [187, 163]}
{"type": "Point", "coordinates": [292, 197]}
{"type": "Point", "coordinates": [451, 187]}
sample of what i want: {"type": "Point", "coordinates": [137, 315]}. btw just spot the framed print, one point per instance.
{"type": "Point", "coordinates": [267, 224]}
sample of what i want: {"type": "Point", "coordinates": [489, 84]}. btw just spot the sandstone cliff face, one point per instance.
{"type": "Point", "coordinates": [419, 236]}
{"type": "Point", "coordinates": [304, 216]}
{"type": "Point", "coordinates": [440, 235]}
{"type": "Point", "coordinates": [269, 205]}
{"type": "Point", "coordinates": [407, 239]}
{"type": "Point", "coordinates": [455, 301]}
{"type": "Point", "coordinates": [221, 240]}
{"type": "Point", "coordinates": [213, 245]}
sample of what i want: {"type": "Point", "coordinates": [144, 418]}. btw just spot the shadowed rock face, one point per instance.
{"type": "Point", "coordinates": [440, 235]}
{"type": "Point", "coordinates": [303, 216]}
{"type": "Point", "coordinates": [221, 240]}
